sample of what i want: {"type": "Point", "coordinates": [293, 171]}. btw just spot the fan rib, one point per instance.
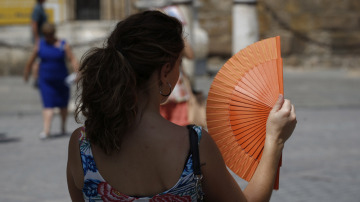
{"type": "Point", "coordinates": [241, 97]}
{"type": "Point", "coordinates": [266, 90]}
{"type": "Point", "coordinates": [259, 85]}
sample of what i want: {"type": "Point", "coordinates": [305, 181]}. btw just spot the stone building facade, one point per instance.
{"type": "Point", "coordinates": [314, 33]}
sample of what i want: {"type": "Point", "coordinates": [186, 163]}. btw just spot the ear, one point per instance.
{"type": "Point", "coordinates": [164, 72]}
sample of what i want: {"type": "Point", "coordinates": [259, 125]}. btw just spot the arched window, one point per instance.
{"type": "Point", "coordinates": [87, 10]}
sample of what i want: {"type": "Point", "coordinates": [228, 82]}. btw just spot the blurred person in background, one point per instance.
{"type": "Point", "coordinates": [176, 109]}
{"type": "Point", "coordinates": [53, 71]}
{"type": "Point", "coordinates": [38, 19]}
{"type": "Point", "coordinates": [126, 151]}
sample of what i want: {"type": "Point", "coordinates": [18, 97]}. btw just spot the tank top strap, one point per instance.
{"type": "Point", "coordinates": [87, 158]}
{"type": "Point", "coordinates": [82, 135]}
{"type": "Point", "coordinates": [198, 130]}
{"type": "Point", "coordinates": [84, 143]}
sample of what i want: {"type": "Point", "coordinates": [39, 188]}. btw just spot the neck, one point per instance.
{"type": "Point", "coordinates": [149, 102]}
{"type": "Point", "coordinates": [148, 105]}
{"type": "Point", "coordinates": [52, 41]}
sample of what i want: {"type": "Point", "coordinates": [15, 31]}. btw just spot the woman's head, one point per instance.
{"type": "Point", "coordinates": [148, 41]}
{"type": "Point", "coordinates": [113, 76]}
{"type": "Point", "coordinates": [49, 31]}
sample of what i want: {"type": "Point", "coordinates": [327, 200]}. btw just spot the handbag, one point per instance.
{"type": "Point", "coordinates": [194, 149]}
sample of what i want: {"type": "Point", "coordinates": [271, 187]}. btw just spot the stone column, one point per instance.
{"type": "Point", "coordinates": [245, 24]}
{"type": "Point", "coordinates": [114, 9]}
{"type": "Point", "coordinates": [106, 9]}
{"type": "Point", "coordinates": [200, 42]}
{"type": "Point", "coordinates": [69, 10]}
{"type": "Point", "coordinates": [185, 10]}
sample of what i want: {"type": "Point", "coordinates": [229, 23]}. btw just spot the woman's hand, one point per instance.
{"type": "Point", "coordinates": [281, 121]}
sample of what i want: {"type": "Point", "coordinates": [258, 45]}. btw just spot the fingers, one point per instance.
{"type": "Point", "coordinates": [279, 103]}
{"type": "Point", "coordinates": [293, 114]}
{"type": "Point", "coordinates": [293, 110]}
{"type": "Point", "coordinates": [286, 106]}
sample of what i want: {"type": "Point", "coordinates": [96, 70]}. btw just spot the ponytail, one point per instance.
{"type": "Point", "coordinates": [107, 98]}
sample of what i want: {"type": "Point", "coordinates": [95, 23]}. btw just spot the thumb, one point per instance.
{"type": "Point", "coordinates": [277, 106]}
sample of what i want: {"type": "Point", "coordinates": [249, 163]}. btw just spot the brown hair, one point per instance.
{"type": "Point", "coordinates": [48, 29]}
{"type": "Point", "coordinates": [112, 76]}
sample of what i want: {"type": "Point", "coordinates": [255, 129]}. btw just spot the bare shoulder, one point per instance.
{"type": "Point", "coordinates": [218, 184]}
{"type": "Point", "coordinates": [210, 156]}
{"type": "Point", "coordinates": [209, 152]}
{"type": "Point", "coordinates": [74, 158]}
{"type": "Point", "coordinates": [74, 139]}
{"type": "Point", "coordinates": [180, 132]}
{"type": "Point", "coordinates": [207, 144]}
{"type": "Point", "coordinates": [74, 147]}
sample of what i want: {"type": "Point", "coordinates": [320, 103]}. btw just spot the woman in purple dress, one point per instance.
{"type": "Point", "coordinates": [53, 53]}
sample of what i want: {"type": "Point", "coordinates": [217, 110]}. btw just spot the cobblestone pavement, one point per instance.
{"type": "Point", "coordinates": [321, 162]}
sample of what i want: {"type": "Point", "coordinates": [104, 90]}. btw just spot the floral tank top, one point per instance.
{"type": "Point", "coordinates": [97, 189]}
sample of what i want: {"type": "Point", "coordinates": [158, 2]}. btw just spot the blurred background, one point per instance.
{"type": "Point", "coordinates": [320, 45]}
{"type": "Point", "coordinates": [314, 34]}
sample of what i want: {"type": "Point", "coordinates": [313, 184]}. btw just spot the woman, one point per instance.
{"type": "Point", "coordinates": [54, 92]}
{"type": "Point", "coordinates": [128, 151]}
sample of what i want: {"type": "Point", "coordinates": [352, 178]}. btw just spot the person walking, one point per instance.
{"type": "Point", "coordinates": [53, 71]}
{"type": "Point", "coordinates": [126, 151]}
{"type": "Point", "coordinates": [38, 19]}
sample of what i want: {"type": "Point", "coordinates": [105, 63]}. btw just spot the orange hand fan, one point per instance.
{"type": "Point", "coordinates": [239, 101]}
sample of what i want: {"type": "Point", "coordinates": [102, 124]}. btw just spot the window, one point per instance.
{"type": "Point", "coordinates": [87, 9]}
